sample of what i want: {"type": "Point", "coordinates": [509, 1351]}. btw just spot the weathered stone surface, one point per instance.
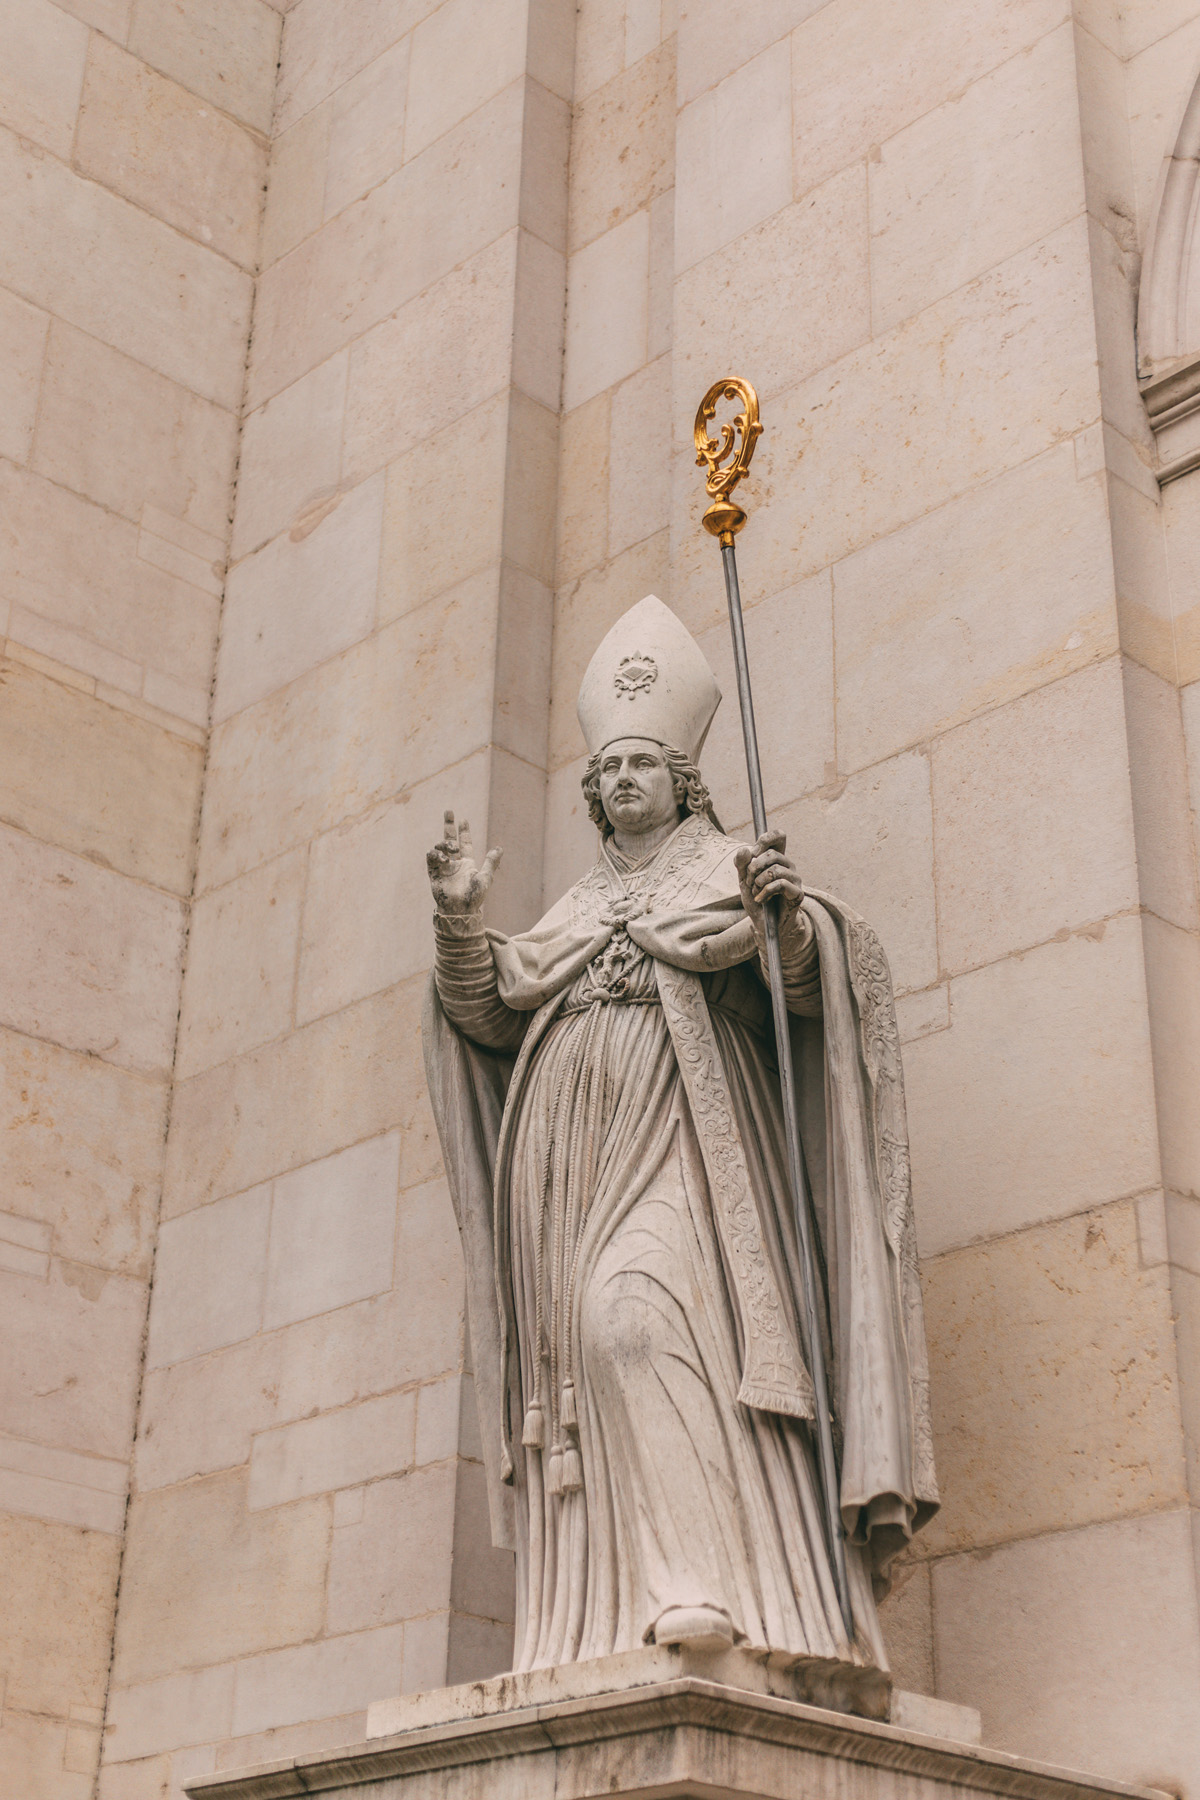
{"type": "Point", "coordinates": [211, 1581]}
{"type": "Point", "coordinates": [59, 1584]}
{"type": "Point", "coordinates": [97, 780]}
{"type": "Point", "coordinates": [225, 50]}
{"type": "Point", "coordinates": [23, 332]}
{"type": "Point", "coordinates": [622, 146]}
{"type": "Point", "coordinates": [1051, 1353]}
{"type": "Point", "coordinates": [99, 1197]}
{"type": "Point", "coordinates": [42, 57]}
{"type": "Point", "coordinates": [147, 138]}
{"type": "Point", "coordinates": [241, 967]}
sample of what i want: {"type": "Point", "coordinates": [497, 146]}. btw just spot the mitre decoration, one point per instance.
{"type": "Point", "coordinates": [648, 679]}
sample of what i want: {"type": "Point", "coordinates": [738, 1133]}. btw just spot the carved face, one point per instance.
{"type": "Point", "coordinates": [637, 788]}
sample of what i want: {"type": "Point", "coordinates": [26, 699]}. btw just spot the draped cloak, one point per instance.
{"type": "Point", "coordinates": [615, 1155]}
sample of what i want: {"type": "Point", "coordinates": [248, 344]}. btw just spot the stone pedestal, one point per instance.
{"type": "Point", "coordinates": [658, 1725]}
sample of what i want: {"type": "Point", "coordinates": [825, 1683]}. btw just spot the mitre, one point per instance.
{"type": "Point", "coordinates": [648, 679]}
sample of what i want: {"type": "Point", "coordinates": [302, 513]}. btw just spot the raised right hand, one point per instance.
{"type": "Point", "coordinates": [459, 886]}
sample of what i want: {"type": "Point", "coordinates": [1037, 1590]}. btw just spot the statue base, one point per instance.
{"type": "Point", "coordinates": [663, 1724]}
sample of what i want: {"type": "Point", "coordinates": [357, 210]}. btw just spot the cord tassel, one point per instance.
{"type": "Point", "coordinates": [554, 1474]}
{"type": "Point", "coordinates": [572, 1469]}
{"type": "Point", "coordinates": [567, 1413]}
{"type": "Point", "coordinates": [534, 1434]}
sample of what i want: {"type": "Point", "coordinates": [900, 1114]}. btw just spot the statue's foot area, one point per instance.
{"type": "Point", "coordinates": [704, 1627]}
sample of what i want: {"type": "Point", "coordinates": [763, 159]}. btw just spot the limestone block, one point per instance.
{"type": "Point", "coordinates": [1032, 819]}
{"type": "Point", "coordinates": [789, 641]}
{"type": "Point", "coordinates": [571, 840]}
{"type": "Point", "coordinates": [733, 156]}
{"type": "Point", "coordinates": [32, 1752]}
{"type": "Point", "coordinates": [359, 1443]}
{"type": "Point", "coordinates": [326, 42]}
{"type": "Point", "coordinates": [300, 600]}
{"type": "Point", "coordinates": [62, 1164]}
{"type": "Point", "coordinates": [1098, 1673]}
{"type": "Point", "coordinates": [366, 129]}
{"type": "Point", "coordinates": [1183, 557]}
{"type": "Point", "coordinates": [1173, 983]}
{"type": "Point", "coordinates": [607, 292]}
{"type": "Point", "coordinates": [42, 57]}
{"type": "Point", "coordinates": [295, 202]}
{"type": "Point", "coordinates": [984, 380]}
{"type": "Point", "coordinates": [72, 1348]}
{"type": "Point", "coordinates": [1161, 808]}
{"type": "Point", "coordinates": [78, 567]}
{"type": "Point", "coordinates": [906, 1616]}
{"type": "Point", "coordinates": [198, 1417]}
{"type": "Point", "coordinates": [291, 1740]}
{"type": "Point", "coordinates": [206, 1581]}
{"type": "Point", "coordinates": [396, 1561]}
{"type": "Point", "coordinates": [333, 1232]}
{"type": "Point", "coordinates": [97, 780]}
{"type": "Point", "coordinates": [452, 344]}
{"type": "Point", "coordinates": [462, 55]}
{"type": "Point", "coordinates": [583, 476]}
{"type": "Point", "coordinates": [639, 498]}
{"type": "Point", "coordinates": [523, 656]}
{"type": "Point", "coordinates": [59, 1585]}
{"type": "Point", "coordinates": [337, 1675]}
{"type": "Point", "coordinates": [957, 612]}
{"type": "Point", "coordinates": [483, 1576]}
{"type": "Point", "coordinates": [152, 1716]}
{"type": "Point", "coordinates": [433, 213]}
{"type": "Point", "coordinates": [109, 16]}
{"type": "Point", "coordinates": [1189, 700]}
{"type": "Point", "coordinates": [622, 146]}
{"type": "Point", "coordinates": [153, 141]}
{"type": "Point", "coordinates": [870, 841]}
{"type": "Point", "coordinates": [1052, 1367]}
{"type": "Point", "coordinates": [531, 472]}
{"type": "Point", "coordinates": [539, 326]}
{"type": "Point", "coordinates": [662, 274]}
{"type": "Point", "coordinates": [584, 612]}
{"type": "Point", "coordinates": [1156, 20]}
{"type": "Point", "coordinates": [224, 50]}
{"type": "Point", "coordinates": [427, 550]}
{"type": "Point", "coordinates": [368, 895]}
{"type": "Point", "coordinates": [22, 347]}
{"type": "Point", "coordinates": [1111, 191]}
{"type": "Point", "coordinates": [39, 1482]}
{"type": "Point", "coordinates": [241, 966]}
{"type": "Point", "coordinates": [1013, 136]}
{"type": "Point", "coordinates": [333, 1083]}
{"type": "Point", "coordinates": [440, 1423]}
{"type": "Point", "coordinates": [708, 53]}
{"type": "Point", "coordinates": [291, 457]}
{"type": "Point", "coordinates": [176, 450]}
{"type": "Point", "coordinates": [1057, 1040]}
{"type": "Point", "coordinates": [1157, 88]}
{"type": "Point", "coordinates": [186, 315]}
{"type": "Point", "coordinates": [1144, 582]}
{"type": "Point", "coordinates": [209, 1272]}
{"type": "Point", "coordinates": [149, 1778]}
{"type": "Point", "coordinates": [599, 45]}
{"type": "Point", "coordinates": [845, 105]}
{"type": "Point", "coordinates": [808, 262]}
{"type": "Point", "coordinates": [88, 958]}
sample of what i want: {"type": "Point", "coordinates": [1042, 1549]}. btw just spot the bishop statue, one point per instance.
{"type": "Point", "coordinates": [608, 1100]}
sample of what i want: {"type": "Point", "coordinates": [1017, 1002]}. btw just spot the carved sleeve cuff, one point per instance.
{"type": "Point", "coordinates": [801, 963]}
{"type": "Point", "coordinates": [465, 973]}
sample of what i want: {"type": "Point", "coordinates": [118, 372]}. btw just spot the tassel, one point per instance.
{"type": "Point", "coordinates": [572, 1469]}
{"type": "Point", "coordinates": [534, 1435]}
{"type": "Point", "coordinates": [567, 1409]}
{"type": "Point", "coordinates": [554, 1483]}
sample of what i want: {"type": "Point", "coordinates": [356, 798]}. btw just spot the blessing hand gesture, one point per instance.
{"type": "Point", "coordinates": [459, 884]}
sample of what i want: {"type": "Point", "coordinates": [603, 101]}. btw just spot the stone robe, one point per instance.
{"type": "Point", "coordinates": [608, 1102]}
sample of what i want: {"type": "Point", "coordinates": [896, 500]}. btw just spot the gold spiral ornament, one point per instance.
{"type": "Point", "coordinates": [727, 457]}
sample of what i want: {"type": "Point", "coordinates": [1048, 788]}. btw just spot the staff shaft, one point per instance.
{"type": "Point", "coordinates": [783, 1044]}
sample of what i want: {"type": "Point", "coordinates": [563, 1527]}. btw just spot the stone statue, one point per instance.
{"type": "Point", "coordinates": [607, 1098]}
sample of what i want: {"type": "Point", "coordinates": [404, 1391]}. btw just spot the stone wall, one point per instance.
{"type": "Point", "coordinates": [506, 246]}
{"type": "Point", "coordinates": [133, 150]}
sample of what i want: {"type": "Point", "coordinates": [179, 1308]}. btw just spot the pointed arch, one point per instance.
{"type": "Point", "coordinates": [1169, 306]}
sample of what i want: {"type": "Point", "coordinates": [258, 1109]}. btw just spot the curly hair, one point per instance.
{"type": "Point", "coordinates": [690, 790]}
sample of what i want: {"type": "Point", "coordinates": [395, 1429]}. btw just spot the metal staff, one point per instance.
{"type": "Point", "coordinates": [724, 519]}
